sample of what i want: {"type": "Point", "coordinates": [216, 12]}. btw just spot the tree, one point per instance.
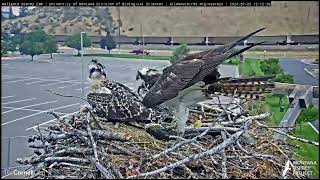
{"type": "Point", "coordinates": [51, 45]}
{"type": "Point", "coordinates": [11, 15]}
{"type": "Point", "coordinates": [75, 41]}
{"type": "Point", "coordinates": [35, 43]}
{"type": "Point", "coordinates": [31, 48]}
{"type": "Point", "coordinates": [4, 50]}
{"type": "Point", "coordinates": [11, 43]}
{"type": "Point", "coordinates": [23, 11]}
{"type": "Point", "coordinates": [180, 52]}
{"type": "Point", "coordinates": [108, 42]}
{"type": "Point", "coordinates": [37, 35]}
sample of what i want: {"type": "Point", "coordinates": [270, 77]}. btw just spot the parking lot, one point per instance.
{"type": "Point", "coordinates": [25, 103]}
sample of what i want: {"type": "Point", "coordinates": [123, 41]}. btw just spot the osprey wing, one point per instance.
{"type": "Point", "coordinates": [173, 79]}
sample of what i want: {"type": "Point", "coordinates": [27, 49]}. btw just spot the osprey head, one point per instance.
{"type": "Point", "coordinates": [96, 70]}
{"type": "Point", "coordinates": [138, 76]}
{"type": "Point", "coordinates": [146, 71]}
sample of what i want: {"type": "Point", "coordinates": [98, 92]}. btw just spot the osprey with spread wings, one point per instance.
{"type": "Point", "coordinates": [184, 82]}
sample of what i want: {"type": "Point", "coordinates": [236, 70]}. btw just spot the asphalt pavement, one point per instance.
{"type": "Point", "coordinates": [25, 103]}
{"type": "Point", "coordinates": [295, 67]}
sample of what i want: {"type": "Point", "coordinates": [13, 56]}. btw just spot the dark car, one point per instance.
{"type": "Point", "coordinates": [139, 51]}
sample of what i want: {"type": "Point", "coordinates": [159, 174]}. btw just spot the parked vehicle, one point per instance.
{"type": "Point", "coordinates": [139, 51]}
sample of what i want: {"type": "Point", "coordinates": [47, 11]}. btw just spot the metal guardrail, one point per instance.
{"type": "Point", "coordinates": [286, 89]}
{"type": "Point", "coordinates": [300, 97]}
{"type": "Point", "coordinates": [306, 98]}
{"type": "Point", "coordinates": [289, 119]}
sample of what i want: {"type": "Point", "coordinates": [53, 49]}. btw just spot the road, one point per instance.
{"type": "Point", "coordinates": [296, 68]}
{"type": "Point", "coordinates": [25, 102]}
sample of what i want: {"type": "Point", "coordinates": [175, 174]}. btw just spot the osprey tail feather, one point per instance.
{"type": "Point", "coordinates": [243, 88]}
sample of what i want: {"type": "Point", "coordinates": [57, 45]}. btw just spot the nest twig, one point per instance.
{"type": "Point", "coordinates": [231, 145]}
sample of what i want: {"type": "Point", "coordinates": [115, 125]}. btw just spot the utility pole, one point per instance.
{"type": "Point", "coordinates": [142, 40]}
{"type": "Point", "coordinates": [119, 26]}
{"type": "Point", "coordinates": [82, 65]}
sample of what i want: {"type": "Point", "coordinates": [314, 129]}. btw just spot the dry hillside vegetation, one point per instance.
{"type": "Point", "coordinates": [281, 18]}
{"type": "Point", "coordinates": [64, 20]}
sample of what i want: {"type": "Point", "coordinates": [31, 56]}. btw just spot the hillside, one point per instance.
{"type": "Point", "coordinates": [63, 20]}
{"type": "Point", "coordinates": [282, 18]}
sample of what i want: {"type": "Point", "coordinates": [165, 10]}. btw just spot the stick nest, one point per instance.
{"type": "Point", "coordinates": [226, 146]}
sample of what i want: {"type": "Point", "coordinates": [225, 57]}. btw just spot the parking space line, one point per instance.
{"type": "Point", "coordinates": [38, 113]}
{"type": "Point", "coordinates": [18, 101]}
{"type": "Point", "coordinates": [68, 86]}
{"type": "Point", "coordinates": [27, 109]}
{"type": "Point", "coordinates": [8, 78]}
{"type": "Point", "coordinates": [28, 106]}
{"type": "Point", "coordinates": [83, 88]}
{"type": "Point", "coordinates": [71, 81]}
{"type": "Point", "coordinates": [52, 120]}
{"type": "Point", "coordinates": [26, 77]}
{"type": "Point", "coordinates": [20, 80]}
{"type": "Point", "coordinates": [48, 79]}
{"type": "Point", "coordinates": [7, 97]}
{"type": "Point", "coordinates": [37, 82]}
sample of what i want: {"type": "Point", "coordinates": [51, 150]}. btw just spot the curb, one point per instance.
{"type": "Point", "coordinates": [10, 58]}
{"type": "Point", "coordinates": [303, 61]}
{"type": "Point", "coordinates": [310, 73]}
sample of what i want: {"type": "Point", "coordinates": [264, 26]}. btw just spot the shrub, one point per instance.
{"type": "Point", "coordinates": [75, 41]}
{"type": "Point", "coordinates": [233, 61]}
{"type": "Point", "coordinates": [284, 78]}
{"type": "Point", "coordinates": [180, 53]}
{"type": "Point", "coordinates": [108, 42]}
{"type": "Point", "coordinates": [270, 66]}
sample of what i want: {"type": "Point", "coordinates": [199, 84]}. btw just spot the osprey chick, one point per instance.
{"type": "Point", "coordinates": [182, 84]}
{"type": "Point", "coordinates": [116, 102]}
{"type": "Point", "coordinates": [149, 77]}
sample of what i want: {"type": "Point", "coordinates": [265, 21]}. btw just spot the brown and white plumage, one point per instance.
{"type": "Point", "coordinates": [243, 88]}
{"type": "Point", "coordinates": [117, 103]}
{"type": "Point", "coordinates": [181, 84]}
{"type": "Point", "coordinates": [149, 76]}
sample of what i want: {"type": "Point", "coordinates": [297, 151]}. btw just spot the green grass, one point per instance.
{"type": "Point", "coordinates": [306, 132]}
{"type": "Point", "coordinates": [307, 152]}
{"type": "Point", "coordinates": [131, 56]}
{"type": "Point", "coordinates": [272, 105]}
{"type": "Point", "coordinates": [250, 67]}
{"type": "Point", "coordinates": [308, 114]}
